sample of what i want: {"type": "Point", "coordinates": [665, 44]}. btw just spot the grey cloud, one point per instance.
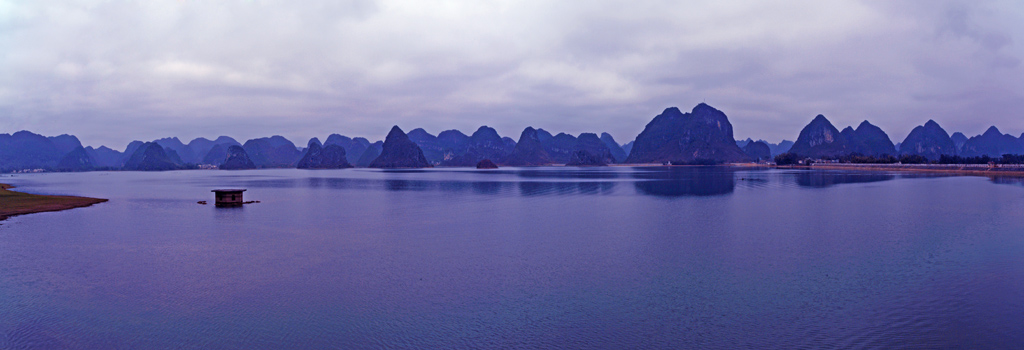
{"type": "Point", "coordinates": [114, 71]}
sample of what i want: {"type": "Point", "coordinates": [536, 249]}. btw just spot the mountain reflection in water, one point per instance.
{"type": "Point", "coordinates": [1005, 180]}
{"type": "Point", "coordinates": [655, 181]}
{"type": "Point", "coordinates": [536, 258]}
{"type": "Point", "coordinates": [821, 179]}
{"type": "Point", "coordinates": [685, 181]}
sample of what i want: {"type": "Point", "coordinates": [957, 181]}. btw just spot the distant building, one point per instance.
{"type": "Point", "coordinates": [228, 197]}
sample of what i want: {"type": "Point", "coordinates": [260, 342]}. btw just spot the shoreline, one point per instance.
{"type": "Point", "coordinates": [17, 203]}
{"type": "Point", "coordinates": [1007, 170]}
{"type": "Point", "coordinates": [948, 169]}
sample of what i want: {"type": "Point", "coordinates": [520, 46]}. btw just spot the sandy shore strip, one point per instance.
{"type": "Point", "coordinates": [17, 203]}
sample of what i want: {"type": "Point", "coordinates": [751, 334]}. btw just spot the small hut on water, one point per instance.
{"type": "Point", "coordinates": [228, 197]}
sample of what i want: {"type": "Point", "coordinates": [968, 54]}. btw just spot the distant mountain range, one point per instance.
{"type": "Point", "coordinates": [702, 136]}
{"type": "Point", "coordinates": [320, 157]}
{"type": "Point", "coordinates": [775, 148]}
{"type": "Point", "coordinates": [821, 139]}
{"type": "Point", "coordinates": [758, 150]}
{"type": "Point", "coordinates": [453, 148]}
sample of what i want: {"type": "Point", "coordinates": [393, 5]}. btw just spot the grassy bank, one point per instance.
{"type": "Point", "coordinates": [17, 203]}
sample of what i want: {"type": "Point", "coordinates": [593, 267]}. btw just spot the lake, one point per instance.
{"type": "Point", "coordinates": [554, 257]}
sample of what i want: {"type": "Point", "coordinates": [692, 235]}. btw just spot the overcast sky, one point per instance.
{"type": "Point", "coordinates": [114, 71]}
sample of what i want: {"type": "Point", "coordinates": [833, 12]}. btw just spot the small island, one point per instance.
{"type": "Point", "coordinates": [17, 203]}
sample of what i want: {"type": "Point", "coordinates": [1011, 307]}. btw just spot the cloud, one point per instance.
{"type": "Point", "coordinates": [113, 71]}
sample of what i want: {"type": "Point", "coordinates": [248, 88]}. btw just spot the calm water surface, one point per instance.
{"type": "Point", "coordinates": [555, 258]}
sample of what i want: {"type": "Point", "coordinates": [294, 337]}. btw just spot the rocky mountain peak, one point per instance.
{"type": "Point", "coordinates": [703, 136]}
{"type": "Point", "coordinates": [330, 157]}
{"type": "Point", "coordinates": [590, 151]}
{"type": "Point", "coordinates": [928, 140]}
{"type": "Point", "coordinates": [992, 131]}
{"type": "Point", "coordinates": [617, 152]}
{"type": "Point", "coordinates": [819, 139]}
{"type": "Point", "coordinates": [400, 152]}
{"type": "Point", "coordinates": [237, 159]}
{"type": "Point", "coordinates": [529, 151]}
